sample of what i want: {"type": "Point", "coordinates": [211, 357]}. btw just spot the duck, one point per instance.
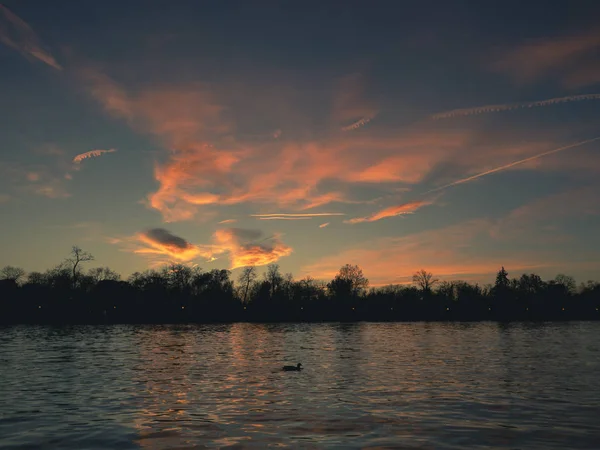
{"type": "Point", "coordinates": [296, 368]}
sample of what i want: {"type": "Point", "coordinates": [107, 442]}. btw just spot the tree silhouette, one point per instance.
{"type": "Point", "coordinates": [78, 256]}
{"type": "Point", "coordinates": [246, 278]}
{"type": "Point", "coordinates": [98, 274]}
{"type": "Point", "coordinates": [350, 281]}
{"type": "Point", "coordinates": [568, 282]}
{"type": "Point", "coordinates": [273, 276]}
{"type": "Point", "coordinates": [424, 280]}
{"type": "Point", "coordinates": [15, 274]}
{"type": "Point", "coordinates": [178, 293]}
{"type": "Point", "coordinates": [502, 281]}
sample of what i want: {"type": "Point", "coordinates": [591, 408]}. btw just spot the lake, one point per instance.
{"type": "Point", "coordinates": [365, 385]}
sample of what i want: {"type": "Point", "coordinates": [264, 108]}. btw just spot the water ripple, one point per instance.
{"type": "Point", "coordinates": [368, 386]}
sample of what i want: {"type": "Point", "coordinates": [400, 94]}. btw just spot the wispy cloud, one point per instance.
{"type": "Point", "coordinates": [206, 165]}
{"type": "Point", "coordinates": [297, 215]}
{"type": "Point", "coordinates": [392, 211]}
{"type": "Point", "coordinates": [92, 153]}
{"type": "Point", "coordinates": [511, 106]}
{"type": "Point", "coordinates": [323, 225]}
{"type": "Point", "coordinates": [35, 179]}
{"type": "Point", "coordinates": [563, 56]}
{"type": "Point", "coordinates": [18, 35]}
{"type": "Point", "coordinates": [542, 217]}
{"type": "Point", "coordinates": [283, 218]}
{"type": "Point", "coordinates": [512, 164]}
{"type": "Point", "coordinates": [228, 221]}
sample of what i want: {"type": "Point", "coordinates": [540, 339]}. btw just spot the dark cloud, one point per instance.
{"type": "Point", "coordinates": [165, 237]}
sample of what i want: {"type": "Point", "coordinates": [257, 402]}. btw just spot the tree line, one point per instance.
{"type": "Point", "coordinates": [177, 293]}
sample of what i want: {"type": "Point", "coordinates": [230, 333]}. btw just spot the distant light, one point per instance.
{"type": "Point", "coordinates": [526, 309]}
{"type": "Point", "coordinates": [244, 307]}
{"type": "Point", "coordinates": [447, 309]}
{"type": "Point", "coordinates": [39, 307]}
{"type": "Point", "coordinates": [391, 309]}
{"type": "Point", "coordinates": [489, 309]}
{"type": "Point", "coordinates": [353, 308]}
{"type": "Point", "coordinates": [114, 307]}
{"type": "Point", "coordinates": [302, 307]}
{"type": "Point", "coordinates": [183, 307]}
{"type": "Point", "coordinates": [563, 309]}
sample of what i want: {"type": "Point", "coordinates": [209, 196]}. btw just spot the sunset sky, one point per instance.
{"type": "Point", "coordinates": [451, 136]}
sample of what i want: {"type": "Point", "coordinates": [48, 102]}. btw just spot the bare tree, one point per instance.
{"type": "Point", "coordinates": [568, 282]}
{"type": "Point", "coordinates": [424, 280]}
{"type": "Point", "coordinates": [78, 256]}
{"type": "Point", "coordinates": [273, 276]}
{"type": "Point", "coordinates": [12, 273]}
{"type": "Point", "coordinates": [245, 279]}
{"type": "Point", "coordinates": [98, 274]}
{"type": "Point", "coordinates": [350, 280]}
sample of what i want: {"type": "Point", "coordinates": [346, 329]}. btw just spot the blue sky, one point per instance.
{"type": "Point", "coordinates": [229, 133]}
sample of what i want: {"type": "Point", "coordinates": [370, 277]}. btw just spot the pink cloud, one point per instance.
{"type": "Point", "coordinates": [18, 35]}
{"type": "Point", "coordinates": [158, 241]}
{"type": "Point", "coordinates": [207, 164]}
{"type": "Point", "coordinates": [392, 211]}
{"type": "Point", "coordinates": [241, 246]}
{"type": "Point", "coordinates": [245, 250]}
{"type": "Point", "coordinates": [567, 56]}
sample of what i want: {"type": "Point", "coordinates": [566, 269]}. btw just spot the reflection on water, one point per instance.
{"type": "Point", "coordinates": [364, 386]}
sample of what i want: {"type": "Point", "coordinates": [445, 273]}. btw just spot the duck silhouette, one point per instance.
{"type": "Point", "coordinates": [296, 368]}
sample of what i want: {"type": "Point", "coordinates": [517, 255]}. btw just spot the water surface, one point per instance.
{"type": "Point", "coordinates": [364, 385]}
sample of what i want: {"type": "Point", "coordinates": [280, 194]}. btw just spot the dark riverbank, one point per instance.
{"type": "Point", "coordinates": [179, 294]}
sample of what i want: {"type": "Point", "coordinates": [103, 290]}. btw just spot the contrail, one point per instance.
{"type": "Point", "coordinates": [512, 164]}
{"type": "Point", "coordinates": [297, 215]}
{"type": "Point", "coordinates": [283, 218]}
{"type": "Point", "coordinates": [91, 153]}
{"type": "Point", "coordinates": [359, 123]}
{"type": "Point", "coordinates": [509, 106]}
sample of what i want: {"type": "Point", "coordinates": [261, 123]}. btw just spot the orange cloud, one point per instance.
{"type": "Point", "coordinates": [392, 211]}
{"type": "Point", "coordinates": [208, 165]}
{"type": "Point", "coordinates": [92, 153]}
{"type": "Point", "coordinates": [567, 55]}
{"type": "Point", "coordinates": [18, 35]}
{"type": "Point", "coordinates": [159, 241]}
{"type": "Point", "coordinates": [244, 250]}
{"type": "Point", "coordinates": [242, 247]}
{"type": "Point", "coordinates": [323, 225]}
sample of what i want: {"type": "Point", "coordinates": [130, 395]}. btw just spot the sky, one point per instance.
{"type": "Point", "coordinates": [457, 137]}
